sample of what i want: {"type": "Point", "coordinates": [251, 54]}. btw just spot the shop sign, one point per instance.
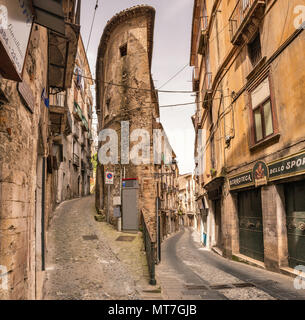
{"type": "Point", "coordinates": [14, 37]}
{"type": "Point", "coordinates": [260, 173]}
{"type": "Point", "coordinates": [241, 181]}
{"type": "Point", "coordinates": [287, 167]}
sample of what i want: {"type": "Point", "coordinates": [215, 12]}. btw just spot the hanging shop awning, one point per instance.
{"type": "Point", "coordinates": [62, 54]}
{"type": "Point", "coordinates": [50, 14]}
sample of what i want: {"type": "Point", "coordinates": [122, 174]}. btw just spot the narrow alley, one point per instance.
{"type": "Point", "coordinates": [152, 152]}
{"type": "Point", "coordinates": [190, 272]}
{"type": "Point", "coordinates": [86, 262]}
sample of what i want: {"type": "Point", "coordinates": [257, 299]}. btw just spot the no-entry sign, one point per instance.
{"type": "Point", "coordinates": [109, 178]}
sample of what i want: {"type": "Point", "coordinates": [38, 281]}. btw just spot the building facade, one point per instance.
{"type": "Point", "coordinates": [248, 78]}
{"type": "Point", "coordinates": [187, 205]}
{"type": "Point", "coordinates": [36, 128]}
{"type": "Point", "coordinates": [167, 187]}
{"type": "Point", "coordinates": [133, 149]}
{"type": "Point", "coordinates": [72, 144]}
{"type": "Point", "coordinates": [127, 103]}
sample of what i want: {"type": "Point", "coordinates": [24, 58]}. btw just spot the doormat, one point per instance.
{"type": "Point", "coordinates": [125, 238]}
{"type": "Point", "coordinates": [90, 237]}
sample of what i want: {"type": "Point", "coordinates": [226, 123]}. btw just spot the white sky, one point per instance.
{"type": "Point", "coordinates": [172, 37]}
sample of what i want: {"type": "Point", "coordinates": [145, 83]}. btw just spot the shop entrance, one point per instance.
{"type": "Point", "coordinates": [218, 233]}
{"type": "Point", "coordinates": [295, 215]}
{"type": "Point", "coordinates": [251, 241]}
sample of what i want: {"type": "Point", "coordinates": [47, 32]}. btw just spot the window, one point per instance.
{"type": "Point", "coordinates": [123, 50]}
{"type": "Point", "coordinates": [263, 118]}
{"type": "Point", "coordinates": [107, 107]}
{"type": "Point", "coordinates": [255, 52]}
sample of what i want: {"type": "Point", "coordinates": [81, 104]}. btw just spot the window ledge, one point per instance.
{"type": "Point", "coordinates": [265, 143]}
{"type": "Point", "coordinates": [256, 69]}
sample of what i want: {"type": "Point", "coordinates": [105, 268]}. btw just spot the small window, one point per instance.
{"type": "Point", "coordinates": [107, 107]}
{"type": "Point", "coordinates": [123, 50]}
{"type": "Point", "coordinates": [255, 52]}
{"type": "Point", "coordinates": [263, 122]}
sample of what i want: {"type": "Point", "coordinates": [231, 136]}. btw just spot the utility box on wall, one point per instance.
{"type": "Point", "coordinates": [130, 210]}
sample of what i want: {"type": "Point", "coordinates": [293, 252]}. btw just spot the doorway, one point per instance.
{"type": "Point", "coordinates": [218, 232]}
{"type": "Point", "coordinates": [251, 239]}
{"type": "Point", "coordinates": [130, 215]}
{"type": "Point", "coordinates": [295, 220]}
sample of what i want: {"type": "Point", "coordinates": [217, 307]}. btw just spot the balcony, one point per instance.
{"type": "Point", "coordinates": [76, 131]}
{"type": "Point", "coordinates": [60, 117]}
{"type": "Point", "coordinates": [63, 45]}
{"type": "Point", "coordinates": [245, 19]}
{"type": "Point", "coordinates": [207, 89]}
{"type": "Point", "coordinates": [77, 112]}
{"type": "Point", "coordinates": [69, 125]}
{"type": "Point", "coordinates": [83, 166]}
{"type": "Point", "coordinates": [202, 35]}
{"type": "Point", "coordinates": [75, 160]}
{"type": "Point", "coordinates": [196, 74]}
{"type": "Point", "coordinates": [85, 124]}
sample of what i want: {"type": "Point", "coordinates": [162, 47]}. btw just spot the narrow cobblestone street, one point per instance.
{"type": "Point", "coordinates": [189, 272]}
{"type": "Point", "coordinates": [84, 260]}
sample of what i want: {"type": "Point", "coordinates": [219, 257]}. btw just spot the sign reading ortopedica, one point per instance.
{"type": "Point", "coordinates": [276, 170]}
{"type": "Point", "coordinates": [241, 181]}
{"type": "Point", "coordinates": [14, 37]}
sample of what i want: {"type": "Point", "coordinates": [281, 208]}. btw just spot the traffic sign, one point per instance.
{"type": "Point", "coordinates": [109, 177]}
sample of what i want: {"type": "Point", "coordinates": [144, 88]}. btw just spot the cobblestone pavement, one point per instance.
{"type": "Point", "coordinates": [188, 271]}
{"type": "Point", "coordinates": [98, 267]}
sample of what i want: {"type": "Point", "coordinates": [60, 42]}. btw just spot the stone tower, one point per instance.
{"type": "Point", "coordinates": [126, 99]}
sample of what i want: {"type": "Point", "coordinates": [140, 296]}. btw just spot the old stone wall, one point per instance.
{"type": "Point", "coordinates": [130, 29]}
{"type": "Point", "coordinates": [20, 133]}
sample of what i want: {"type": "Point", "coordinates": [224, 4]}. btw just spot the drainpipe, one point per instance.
{"type": "Point", "coordinates": [43, 215]}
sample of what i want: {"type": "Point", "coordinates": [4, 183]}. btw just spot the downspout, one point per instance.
{"type": "Point", "coordinates": [43, 215]}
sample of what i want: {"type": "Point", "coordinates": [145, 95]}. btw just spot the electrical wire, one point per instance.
{"type": "Point", "coordinates": [95, 9]}
{"type": "Point", "coordinates": [190, 103]}
{"type": "Point", "coordinates": [140, 89]}
{"type": "Point", "coordinates": [173, 77]}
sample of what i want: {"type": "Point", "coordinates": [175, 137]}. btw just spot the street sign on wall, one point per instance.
{"type": "Point", "coordinates": [14, 37]}
{"type": "Point", "coordinates": [109, 177]}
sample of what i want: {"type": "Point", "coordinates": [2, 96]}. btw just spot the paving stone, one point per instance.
{"type": "Point", "coordinates": [90, 268]}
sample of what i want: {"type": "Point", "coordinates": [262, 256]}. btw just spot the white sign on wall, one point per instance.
{"type": "Point", "coordinates": [15, 32]}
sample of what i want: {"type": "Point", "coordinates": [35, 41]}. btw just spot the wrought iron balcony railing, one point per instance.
{"type": "Point", "coordinates": [202, 35]}
{"type": "Point", "coordinates": [77, 112]}
{"type": "Point", "coordinates": [207, 87]}
{"type": "Point", "coordinates": [246, 14]}
{"type": "Point", "coordinates": [196, 73]}
{"type": "Point", "coordinates": [76, 131]}
{"type": "Point", "coordinates": [75, 159]}
{"type": "Point", "coordinates": [58, 100]}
